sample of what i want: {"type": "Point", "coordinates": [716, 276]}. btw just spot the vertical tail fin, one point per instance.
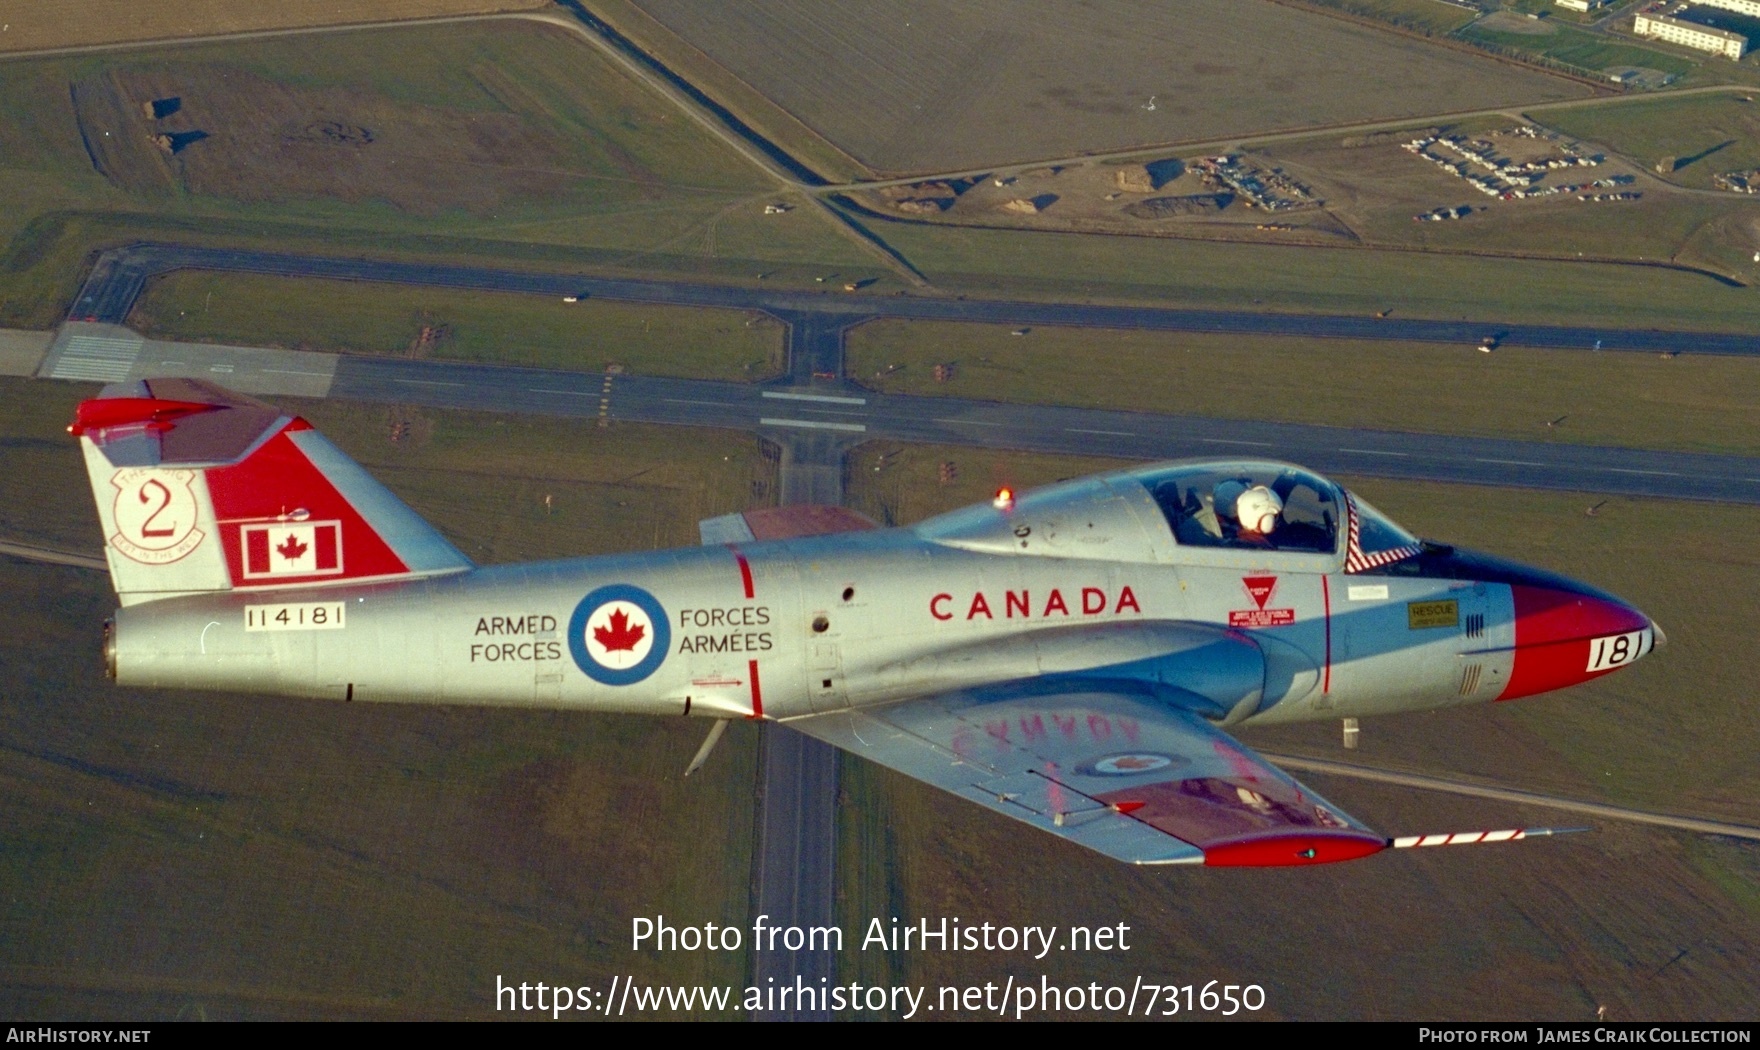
{"type": "Point", "coordinates": [201, 489]}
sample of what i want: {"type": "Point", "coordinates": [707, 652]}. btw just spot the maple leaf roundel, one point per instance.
{"type": "Point", "coordinates": [618, 635]}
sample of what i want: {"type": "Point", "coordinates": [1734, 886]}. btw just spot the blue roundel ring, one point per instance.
{"type": "Point", "coordinates": [577, 635]}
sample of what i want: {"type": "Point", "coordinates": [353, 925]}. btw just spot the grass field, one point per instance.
{"type": "Point", "coordinates": [944, 89]}
{"type": "Point", "coordinates": [1705, 134]}
{"type": "Point", "coordinates": [1557, 929]}
{"type": "Point", "coordinates": [503, 327]}
{"type": "Point", "coordinates": [174, 853]}
{"type": "Point", "coordinates": [1574, 47]}
{"type": "Point", "coordinates": [1325, 280]}
{"type": "Point", "coordinates": [1694, 404]}
{"type": "Point", "coordinates": [36, 25]}
{"type": "Point", "coordinates": [390, 141]}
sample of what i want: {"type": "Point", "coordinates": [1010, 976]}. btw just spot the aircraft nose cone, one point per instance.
{"type": "Point", "coordinates": [1566, 636]}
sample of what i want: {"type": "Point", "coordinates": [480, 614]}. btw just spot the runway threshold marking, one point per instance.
{"type": "Point", "coordinates": [811, 424]}
{"type": "Point", "coordinates": [783, 396]}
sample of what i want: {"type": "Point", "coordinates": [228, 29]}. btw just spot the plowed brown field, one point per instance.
{"type": "Point", "coordinates": [37, 25]}
{"type": "Point", "coordinates": [905, 86]}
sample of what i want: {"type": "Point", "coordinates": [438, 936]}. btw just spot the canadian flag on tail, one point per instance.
{"type": "Point", "coordinates": [307, 548]}
{"type": "Point", "coordinates": [200, 489]}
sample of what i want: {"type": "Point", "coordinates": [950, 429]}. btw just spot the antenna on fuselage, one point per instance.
{"type": "Point", "coordinates": [709, 743]}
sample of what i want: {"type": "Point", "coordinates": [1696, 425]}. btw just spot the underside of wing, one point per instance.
{"type": "Point", "coordinates": [1136, 777]}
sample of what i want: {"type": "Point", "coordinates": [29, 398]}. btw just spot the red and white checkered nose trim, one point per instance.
{"type": "Point", "coordinates": [1357, 561]}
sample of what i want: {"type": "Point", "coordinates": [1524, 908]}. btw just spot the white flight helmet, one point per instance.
{"type": "Point", "coordinates": [1258, 508]}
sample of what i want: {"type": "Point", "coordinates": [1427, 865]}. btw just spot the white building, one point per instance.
{"type": "Point", "coordinates": [1590, 5]}
{"type": "Point", "coordinates": [1751, 8]}
{"type": "Point", "coordinates": [1673, 30]}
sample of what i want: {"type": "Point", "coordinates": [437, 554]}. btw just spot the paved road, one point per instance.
{"type": "Point", "coordinates": [119, 275]}
{"type": "Point", "coordinates": [795, 882]}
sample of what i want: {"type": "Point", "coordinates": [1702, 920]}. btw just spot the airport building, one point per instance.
{"type": "Point", "coordinates": [1582, 5]}
{"type": "Point", "coordinates": [1653, 23]}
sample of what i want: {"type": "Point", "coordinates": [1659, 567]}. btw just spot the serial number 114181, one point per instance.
{"type": "Point", "coordinates": [306, 616]}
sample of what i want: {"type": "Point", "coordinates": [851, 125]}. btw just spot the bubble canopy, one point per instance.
{"type": "Point", "coordinates": [1266, 507]}
{"type": "Point", "coordinates": [1221, 512]}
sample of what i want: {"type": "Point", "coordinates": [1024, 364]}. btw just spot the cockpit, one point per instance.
{"type": "Point", "coordinates": [1248, 514]}
{"type": "Point", "coordinates": [1239, 506]}
{"type": "Point", "coordinates": [1273, 507]}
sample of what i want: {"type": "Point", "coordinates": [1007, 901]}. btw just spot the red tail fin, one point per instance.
{"type": "Point", "coordinates": [201, 489]}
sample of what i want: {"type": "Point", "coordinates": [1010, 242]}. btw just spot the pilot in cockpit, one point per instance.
{"type": "Point", "coordinates": [1247, 513]}
{"type": "Point", "coordinates": [1286, 511]}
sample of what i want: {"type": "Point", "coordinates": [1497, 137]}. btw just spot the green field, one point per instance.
{"type": "Point", "coordinates": [1690, 403]}
{"type": "Point", "coordinates": [1705, 134]}
{"type": "Point", "coordinates": [1574, 47]}
{"type": "Point", "coordinates": [517, 142]}
{"type": "Point", "coordinates": [1661, 227]}
{"type": "Point", "coordinates": [495, 327]}
{"type": "Point", "coordinates": [1089, 267]}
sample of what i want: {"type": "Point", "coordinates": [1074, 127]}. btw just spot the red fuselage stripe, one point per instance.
{"type": "Point", "coordinates": [745, 572]}
{"type": "Point", "coordinates": [1326, 602]}
{"type": "Point", "coordinates": [757, 693]}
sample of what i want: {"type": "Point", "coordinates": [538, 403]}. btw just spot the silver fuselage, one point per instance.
{"type": "Point", "coordinates": [816, 624]}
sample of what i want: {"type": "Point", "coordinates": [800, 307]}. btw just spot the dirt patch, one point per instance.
{"type": "Point", "coordinates": [241, 136]}
{"type": "Point", "coordinates": [1173, 207]}
{"type": "Point", "coordinates": [1233, 197]}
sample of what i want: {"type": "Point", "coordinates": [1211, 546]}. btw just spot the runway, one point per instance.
{"type": "Point", "coordinates": [120, 274]}
{"type": "Point", "coordinates": [862, 416]}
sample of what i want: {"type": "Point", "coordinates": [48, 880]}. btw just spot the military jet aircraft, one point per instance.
{"type": "Point", "coordinates": [1070, 657]}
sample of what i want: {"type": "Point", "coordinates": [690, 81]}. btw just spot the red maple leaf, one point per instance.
{"type": "Point", "coordinates": [620, 635]}
{"type": "Point", "coordinates": [292, 548]}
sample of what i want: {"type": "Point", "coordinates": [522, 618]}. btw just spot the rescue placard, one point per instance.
{"type": "Point", "coordinates": [1422, 615]}
{"type": "Point", "coordinates": [304, 616]}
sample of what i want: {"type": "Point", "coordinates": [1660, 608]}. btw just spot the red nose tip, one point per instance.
{"type": "Point", "coordinates": [1565, 637]}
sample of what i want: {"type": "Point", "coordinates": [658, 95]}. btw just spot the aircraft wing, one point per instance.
{"type": "Point", "coordinates": [1132, 776]}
